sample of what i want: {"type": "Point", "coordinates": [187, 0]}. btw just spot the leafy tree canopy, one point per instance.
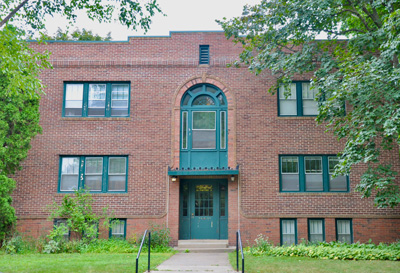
{"type": "Point", "coordinates": [356, 65]}
{"type": "Point", "coordinates": [131, 13]}
{"type": "Point", "coordinates": [77, 35]}
{"type": "Point", "coordinates": [20, 67]}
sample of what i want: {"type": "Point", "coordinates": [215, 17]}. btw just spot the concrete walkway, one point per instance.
{"type": "Point", "coordinates": [196, 263]}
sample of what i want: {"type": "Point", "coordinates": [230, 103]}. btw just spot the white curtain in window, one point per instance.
{"type": "Point", "coordinates": [310, 106]}
{"type": "Point", "coordinates": [287, 105]}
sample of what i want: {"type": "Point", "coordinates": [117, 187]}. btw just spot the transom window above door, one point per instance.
{"type": "Point", "coordinates": [204, 127]}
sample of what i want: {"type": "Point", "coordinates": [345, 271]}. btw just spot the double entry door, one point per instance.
{"type": "Point", "coordinates": [203, 212]}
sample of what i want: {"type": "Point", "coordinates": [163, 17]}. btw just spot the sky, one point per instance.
{"type": "Point", "coordinates": [182, 15]}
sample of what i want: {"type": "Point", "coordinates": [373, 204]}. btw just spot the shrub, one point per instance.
{"type": "Point", "coordinates": [111, 246]}
{"type": "Point", "coordinates": [81, 220]}
{"type": "Point", "coordinates": [52, 247]}
{"type": "Point", "coordinates": [160, 237]}
{"type": "Point", "coordinates": [331, 250]}
{"type": "Point", "coordinates": [14, 245]}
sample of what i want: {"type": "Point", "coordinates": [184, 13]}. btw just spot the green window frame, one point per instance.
{"type": "Point", "coordinates": [204, 115]}
{"type": "Point", "coordinates": [98, 174]}
{"type": "Point", "coordinates": [288, 231]}
{"type": "Point", "coordinates": [298, 101]}
{"type": "Point", "coordinates": [344, 230]}
{"type": "Point", "coordinates": [96, 99]}
{"type": "Point", "coordinates": [316, 230]}
{"type": "Point", "coordinates": [310, 173]}
{"type": "Point", "coordinates": [118, 228]}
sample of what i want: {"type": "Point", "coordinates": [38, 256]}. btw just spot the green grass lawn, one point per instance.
{"type": "Point", "coordinates": [261, 264]}
{"type": "Point", "coordinates": [78, 262]}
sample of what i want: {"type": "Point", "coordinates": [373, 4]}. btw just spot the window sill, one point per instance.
{"type": "Point", "coordinates": [95, 118]}
{"type": "Point", "coordinates": [297, 117]}
{"type": "Point", "coordinates": [314, 193]}
{"type": "Point", "coordinates": [96, 194]}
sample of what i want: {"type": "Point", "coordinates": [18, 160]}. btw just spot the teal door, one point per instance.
{"type": "Point", "coordinates": [203, 209]}
{"type": "Point", "coordinates": [204, 128]}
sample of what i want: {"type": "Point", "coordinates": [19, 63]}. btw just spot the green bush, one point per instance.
{"type": "Point", "coordinates": [110, 246]}
{"type": "Point", "coordinates": [81, 220]}
{"type": "Point", "coordinates": [52, 247]}
{"type": "Point", "coordinates": [14, 245]}
{"type": "Point", "coordinates": [323, 250]}
{"type": "Point", "coordinates": [160, 237]}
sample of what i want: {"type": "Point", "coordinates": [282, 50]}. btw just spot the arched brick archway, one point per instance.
{"type": "Point", "coordinates": [176, 116]}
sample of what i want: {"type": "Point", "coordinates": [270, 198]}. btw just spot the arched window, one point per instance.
{"type": "Point", "coordinates": [203, 128]}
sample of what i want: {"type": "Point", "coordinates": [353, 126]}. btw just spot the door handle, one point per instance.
{"type": "Point", "coordinates": [211, 224]}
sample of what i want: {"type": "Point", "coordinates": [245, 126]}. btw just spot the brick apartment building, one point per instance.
{"type": "Point", "coordinates": [164, 133]}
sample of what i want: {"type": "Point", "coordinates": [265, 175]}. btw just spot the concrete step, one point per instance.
{"type": "Point", "coordinates": [203, 243]}
{"type": "Point", "coordinates": [206, 250]}
{"type": "Point", "coordinates": [204, 246]}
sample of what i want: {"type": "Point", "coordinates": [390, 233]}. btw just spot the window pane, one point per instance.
{"type": "Point", "coordinates": [186, 100]}
{"type": "Point", "coordinates": [310, 106]}
{"type": "Point", "coordinates": [69, 174]}
{"type": "Point", "coordinates": [316, 230]}
{"type": "Point", "coordinates": [314, 182]}
{"type": "Point", "coordinates": [290, 182]}
{"type": "Point", "coordinates": [119, 99]}
{"type": "Point", "coordinates": [117, 174]}
{"type": "Point", "coordinates": [344, 231]}
{"type": "Point", "coordinates": [203, 100]}
{"type": "Point", "coordinates": [287, 105]}
{"type": "Point", "coordinates": [70, 165]}
{"type": "Point", "coordinates": [197, 90]}
{"type": "Point", "coordinates": [97, 100]}
{"type": "Point", "coordinates": [221, 99]}
{"type": "Point", "coordinates": [118, 229]}
{"type": "Point", "coordinates": [203, 120]}
{"type": "Point", "coordinates": [211, 89]}
{"type": "Point", "coordinates": [339, 183]}
{"type": "Point", "coordinates": [333, 161]}
{"type": "Point", "coordinates": [288, 232]}
{"type": "Point", "coordinates": [94, 165]}
{"type": "Point", "coordinates": [222, 194]}
{"type": "Point", "coordinates": [93, 182]}
{"type": "Point", "coordinates": [203, 139]}
{"type": "Point", "coordinates": [73, 100]}
{"type": "Point", "coordinates": [223, 133]}
{"type": "Point", "coordinates": [290, 164]}
{"type": "Point", "coordinates": [313, 170]}
{"type": "Point", "coordinates": [313, 164]}
{"type": "Point", "coordinates": [184, 129]}
{"type": "Point", "coordinates": [93, 173]}
{"type": "Point", "coordinates": [116, 182]}
{"type": "Point", "coordinates": [69, 182]}
{"type": "Point", "coordinates": [117, 165]}
{"type": "Point", "coordinates": [204, 200]}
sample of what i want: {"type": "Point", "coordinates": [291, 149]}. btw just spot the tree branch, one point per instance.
{"type": "Point", "coordinates": [355, 12]}
{"type": "Point", "coordinates": [8, 17]}
{"type": "Point", "coordinates": [374, 16]}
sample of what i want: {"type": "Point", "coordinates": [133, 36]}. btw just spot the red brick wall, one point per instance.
{"type": "Point", "coordinates": [160, 70]}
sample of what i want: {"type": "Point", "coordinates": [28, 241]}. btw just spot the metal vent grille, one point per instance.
{"type": "Point", "coordinates": [204, 57]}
